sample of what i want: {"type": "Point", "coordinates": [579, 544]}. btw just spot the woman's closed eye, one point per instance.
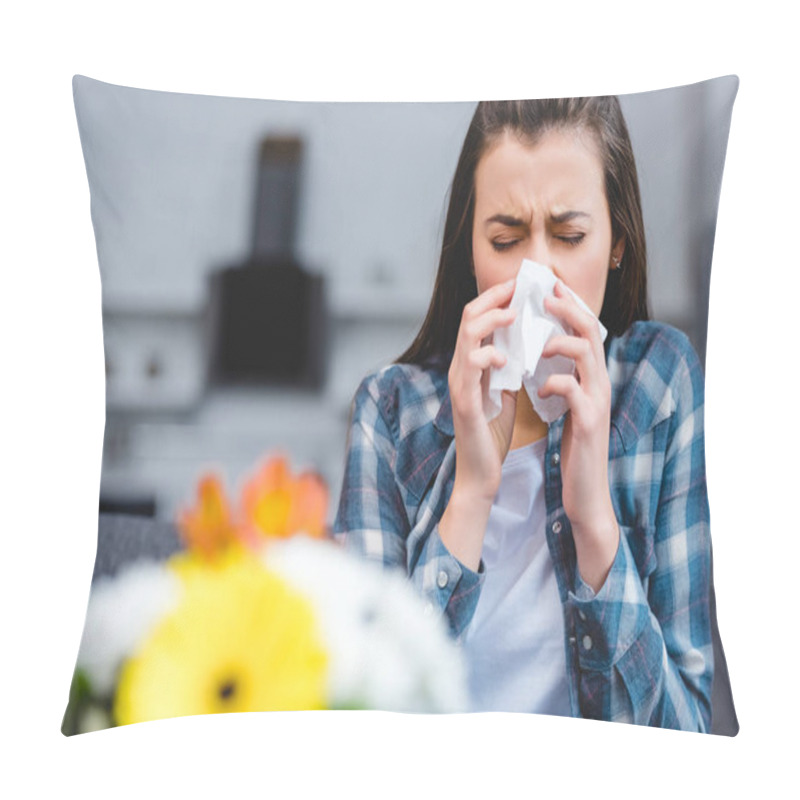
{"type": "Point", "coordinates": [572, 239]}
{"type": "Point", "coordinates": [500, 246]}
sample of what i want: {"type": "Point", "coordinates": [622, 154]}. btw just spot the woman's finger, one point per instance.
{"type": "Point", "coordinates": [479, 328]}
{"type": "Point", "coordinates": [565, 386]}
{"type": "Point", "coordinates": [563, 305]}
{"type": "Point", "coordinates": [487, 356]}
{"type": "Point", "coordinates": [493, 297]}
{"type": "Point", "coordinates": [581, 351]}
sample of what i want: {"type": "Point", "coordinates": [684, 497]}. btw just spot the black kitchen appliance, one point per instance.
{"type": "Point", "coordinates": [269, 318]}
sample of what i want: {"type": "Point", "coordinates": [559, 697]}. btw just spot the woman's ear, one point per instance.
{"type": "Point", "coordinates": [617, 251]}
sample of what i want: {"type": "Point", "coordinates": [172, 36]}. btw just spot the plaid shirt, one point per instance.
{"type": "Point", "coordinates": [640, 649]}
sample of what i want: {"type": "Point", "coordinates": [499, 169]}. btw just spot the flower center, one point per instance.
{"type": "Point", "coordinates": [227, 691]}
{"type": "Point", "coordinates": [272, 512]}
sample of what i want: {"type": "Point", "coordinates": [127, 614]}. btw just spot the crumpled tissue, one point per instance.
{"type": "Point", "coordinates": [523, 341]}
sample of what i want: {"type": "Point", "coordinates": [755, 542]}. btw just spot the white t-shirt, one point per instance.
{"type": "Point", "coordinates": [515, 642]}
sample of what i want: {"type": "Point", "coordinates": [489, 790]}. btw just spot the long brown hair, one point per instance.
{"type": "Point", "coordinates": [625, 299]}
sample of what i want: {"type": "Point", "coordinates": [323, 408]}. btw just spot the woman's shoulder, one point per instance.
{"type": "Point", "coordinates": [399, 379]}
{"type": "Point", "coordinates": [657, 343]}
{"type": "Point", "coordinates": [405, 408]}
{"type": "Point", "coordinates": [409, 394]}
{"type": "Point", "coordinates": [655, 373]}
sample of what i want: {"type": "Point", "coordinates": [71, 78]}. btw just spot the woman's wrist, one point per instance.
{"type": "Point", "coordinates": [596, 548]}
{"type": "Point", "coordinates": [463, 526]}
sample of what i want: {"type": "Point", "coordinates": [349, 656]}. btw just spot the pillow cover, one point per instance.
{"type": "Point", "coordinates": [258, 259]}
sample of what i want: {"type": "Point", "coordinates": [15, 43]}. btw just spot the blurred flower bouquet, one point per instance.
{"type": "Point", "coordinates": [259, 612]}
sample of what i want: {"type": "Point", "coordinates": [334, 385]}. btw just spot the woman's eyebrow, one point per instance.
{"type": "Point", "coordinates": [505, 219]}
{"type": "Point", "coordinates": [567, 216]}
{"type": "Point", "coordinates": [515, 222]}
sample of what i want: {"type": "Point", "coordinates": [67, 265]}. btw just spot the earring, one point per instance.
{"type": "Point", "coordinates": [616, 261]}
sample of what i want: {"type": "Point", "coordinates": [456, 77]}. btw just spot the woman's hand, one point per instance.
{"type": "Point", "coordinates": [584, 447]}
{"type": "Point", "coordinates": [481, 446]}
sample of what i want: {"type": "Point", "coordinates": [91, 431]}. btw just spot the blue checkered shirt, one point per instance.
{"type": "Point", "coordinates": [640, 649]}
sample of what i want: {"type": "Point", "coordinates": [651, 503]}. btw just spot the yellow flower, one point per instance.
{"type": "Point", "coordinates": [193, 564]}
{"type": "Point", "coordinates": [239, 639]}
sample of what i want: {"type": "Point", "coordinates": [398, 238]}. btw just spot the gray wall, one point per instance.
{"type": "Point", "coordinates": [173, 183]}
{"type": "Point", "coordinates": [679, 138]}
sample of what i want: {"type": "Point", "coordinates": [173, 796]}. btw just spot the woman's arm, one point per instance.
{"type": "Point", "coordinates": [585, 492]}
{"type": "Point", "coordinates": [646, 656]}
{"type": "Point", "coordinates": [374, 509]}
{"type": "Point", "coordinates": [441, 552]}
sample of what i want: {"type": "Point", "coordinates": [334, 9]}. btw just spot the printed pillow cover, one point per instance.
{"type": "Point", "coordinates": [258, 259]}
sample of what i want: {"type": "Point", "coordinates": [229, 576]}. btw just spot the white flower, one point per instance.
{"type": "Point", "coordinates": [386, 653]}
{"type": "Point", "coordinates": [122, 611]}
{"type": "Point", "coordinates": [94, 718]}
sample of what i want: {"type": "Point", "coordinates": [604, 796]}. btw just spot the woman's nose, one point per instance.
{"type": "Point", "coordinates": [539, 252]}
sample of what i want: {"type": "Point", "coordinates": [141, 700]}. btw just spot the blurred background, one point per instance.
{"type": "Point", "coordinates": [259, 258]}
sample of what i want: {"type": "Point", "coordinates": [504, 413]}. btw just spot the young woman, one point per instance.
{"type": "Point", "coordinates": [572, 560]}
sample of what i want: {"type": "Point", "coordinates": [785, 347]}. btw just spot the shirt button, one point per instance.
{"type": "Point", "coordinates": [557, 527]}
{"type": "Point", "coordinates": [554, 459]}
{"type": "Point", "coordinates": [587, 642]}
{"type": "Point", "coordinates": [441, 580]}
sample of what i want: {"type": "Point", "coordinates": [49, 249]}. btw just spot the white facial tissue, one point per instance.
{"type": "Point", "coordinates": [523, 341]}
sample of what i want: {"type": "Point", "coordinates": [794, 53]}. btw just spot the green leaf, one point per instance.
{"type": "Point", "coordinates": [80, 693]}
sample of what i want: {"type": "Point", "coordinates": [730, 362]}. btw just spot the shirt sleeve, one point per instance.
{"type": "Point", "coordinates": [373, 518]}
{"type": "Point", "coordinates": [644, 645]}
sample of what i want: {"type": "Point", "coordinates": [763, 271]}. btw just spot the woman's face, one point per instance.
{"type": "Point", "coordinates": [546, 203]}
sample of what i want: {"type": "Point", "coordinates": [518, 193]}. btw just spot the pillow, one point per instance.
{"type": "Point", "coordinates": [259, 258]}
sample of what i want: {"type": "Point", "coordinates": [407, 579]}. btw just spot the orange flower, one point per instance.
{"type": "Point", "coordinates": [277, 504]}
{"type": "Point", "coordinates": [208, 528]}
